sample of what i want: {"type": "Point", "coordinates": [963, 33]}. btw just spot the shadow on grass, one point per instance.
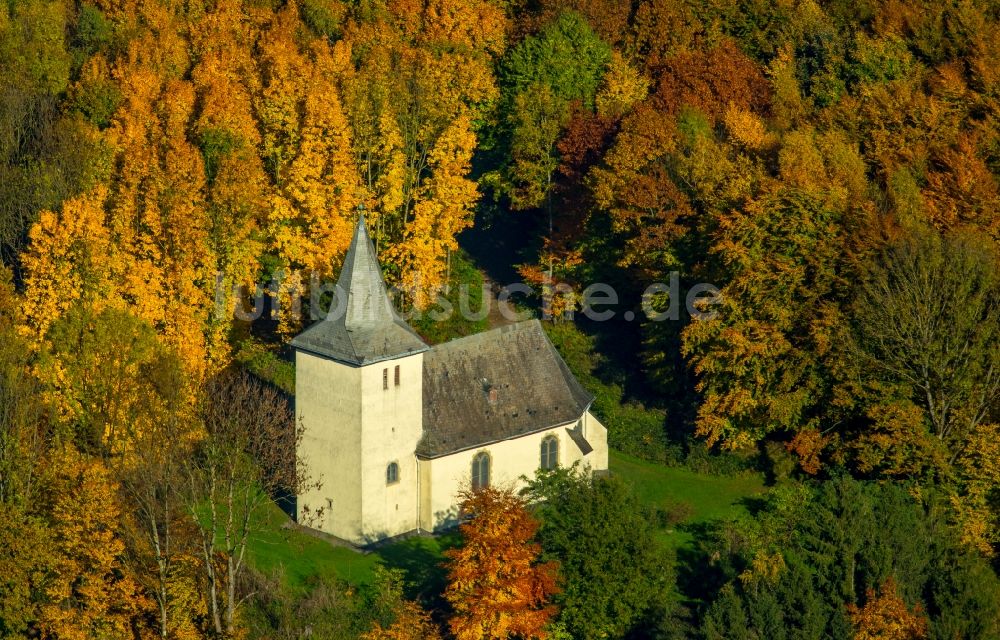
{"type": "Point", "coordinates": [753, 504]}
{"type": "Point", "coordinates": [699, 575]}
{"type": "Point", "coordinates": [286, 501]}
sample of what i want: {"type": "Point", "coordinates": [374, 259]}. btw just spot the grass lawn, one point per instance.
{"type": "Point", "coordinates": [710, 497]}
{"type": "Point", "coordinates": [296, 556]}
{"type": "Point", "coordinates": [277, 548]}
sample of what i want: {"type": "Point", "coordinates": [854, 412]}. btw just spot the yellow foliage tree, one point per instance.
{"type": "Point", "coordinates": [413, 148]}
{"type": "Point", "coordinates": [283, 68]}
{"type": "Point", "coordinates": [442, 210]}
{"type": "Point", "coordinates": [322, 180]}
{"type": "Point", "coordinates": [90, 593]}
{"type": "Point", "coordinates": [242, 143]}
{"type": "Point", "coordinates": [978, 464]}
{"type": "Point", "coordinates": [70, 260]}
{"type": "Point", "coordinates": [747, 128]}
{"type": "Point", "coordinates": [226, 79]}
{"type": "Point", "coordinates": [621, 87]}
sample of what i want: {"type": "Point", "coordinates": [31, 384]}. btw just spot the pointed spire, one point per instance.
{"type": "Point", "coordinates": [361, 281]}
{"type": "Point", "coordinates": [362, 326]}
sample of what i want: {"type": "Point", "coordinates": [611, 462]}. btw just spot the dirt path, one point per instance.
{"type": "Point", "coordinates": [495, 318]}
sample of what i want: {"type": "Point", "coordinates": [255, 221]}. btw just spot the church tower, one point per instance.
{"type": "Point", "coordinates": [359, 397]}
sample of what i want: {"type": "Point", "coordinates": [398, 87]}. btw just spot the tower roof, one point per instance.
{"type": "Point", "coordinates": [366, 327]}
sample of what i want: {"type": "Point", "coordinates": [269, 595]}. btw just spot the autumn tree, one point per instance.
{"type": "Point", "coordinates": [396, 618]}
{"type": "Point", "coordinates": [47, 150]}
{"type": "Point", "coordinates": [412, 623]}
{"type": "Point", "coordinates": [710, 81]}
{"type": "Point", "coordinates": [89, 592]}
{"type": "Point", "coordinates": [149, 231]}
{"type": "Point", "coordinates": [973, 501]}
{"type": "Point", "coordinates": [22, 430]}
{"type": "Point", "coordinates": [226, 74]}
{"type": "Point", "coordinates": [149, 468]}
{"type": "Point", "coordinates": [70, 261]}
{"type": "Point", "coordinates": [538, 117]}
{"type": "Point", "coordinates": [622, 87]}
{"type": "Point", "coordinates": [758, 359]}
{"type": "Point", "coordinates": [497, 587]}
{"type": "Point", "coordinates": [661, 29]}
{"type": "Point", "coordinates": [440, 214]}
{"type": "Point", "coordinates": [414, 147]}
{"type": "Point", "coordinates": [582, 144]}
{"type": "Point", "coordinates": [634, 187]}
{"type": "Point", "coordinates": [123, 397]}
{"type": "Point", "coordinates": [541, 77]}
{"type": "Point", "coordinates": [27, 556]}
{"type": "Point", "coordinates": [237, 144]}
{"type": "Point", "coordinates": [110, 378]}
{"type": "Point", "coordinates": [886, 616]}
{"type": "Point", "coordinates": [25, 540]}
{"type": "Point", "coordinates": [608, 19]}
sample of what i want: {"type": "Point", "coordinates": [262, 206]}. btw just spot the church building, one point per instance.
{"type": "Point", "coordinates": [394, 428]}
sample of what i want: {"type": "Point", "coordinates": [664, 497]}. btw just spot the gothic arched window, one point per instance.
{"type": "Point", "coordinates": [480, 471]}
{"type": "Point", "coordinates": [392, 473]}
{"type": "Point", "coordinates": [550, 452]}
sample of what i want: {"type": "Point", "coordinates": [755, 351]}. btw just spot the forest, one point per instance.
{"type": "Point", "coordinates": [832, 166]}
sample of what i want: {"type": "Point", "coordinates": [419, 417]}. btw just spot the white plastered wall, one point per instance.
{"type": "Point", "coordinates": [392, 426]}
{"type": "Point", "coordinates": [327, 402]}
{"type": "Point", "coordinates": [353, 429]}
{"type": "Point", "coordinates": [442, 478]}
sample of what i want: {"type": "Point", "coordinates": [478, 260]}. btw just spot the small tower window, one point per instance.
{"type": "Point", "coordinates": [392, 473]}
{"type": "Point", "coordinates": [550, 452]}
{"type": "Point", "coordinates": [385, 379]}
{"type": "Point", "coordinates": [397, 375]}
{"type": "Point", "coordinates": [480, 471]}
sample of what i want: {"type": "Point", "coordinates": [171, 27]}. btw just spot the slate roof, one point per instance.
{"type": "Point", "coordinates": [533, 389]}
{"type": "Point", "coordinates": [367, 328]}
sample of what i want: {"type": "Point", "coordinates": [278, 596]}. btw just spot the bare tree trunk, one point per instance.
{"type": "Point", "coordinates": [151, 478]}
{"type": "Point", "coordinates": [248, 455]}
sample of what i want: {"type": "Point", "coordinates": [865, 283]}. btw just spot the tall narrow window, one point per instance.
{"type": "Point", "coordinates": [385, 379]}
{"type": "Point", "coordinates": [397, 375]}
{"type": "Point", "coordinates": [392, 473]}
{"type": "Point", "coordinates": [480, 471]}
{"type": "Point", "coordinates": [550, 452]}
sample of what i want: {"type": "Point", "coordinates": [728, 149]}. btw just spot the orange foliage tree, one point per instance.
{"type": "Point", "coordinates": [885, 616]}
{"type": "Point", "coordinates": [496, 585]}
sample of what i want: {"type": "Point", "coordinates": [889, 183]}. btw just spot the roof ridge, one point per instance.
{"type": "Point", "coordinates": [505, 328]}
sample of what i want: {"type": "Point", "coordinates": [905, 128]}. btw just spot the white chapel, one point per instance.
{"type": "Point", "coordinates": [394, 428]}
